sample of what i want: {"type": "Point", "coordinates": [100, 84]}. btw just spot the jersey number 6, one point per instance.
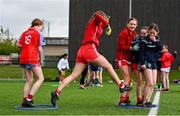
{"type": "Point", "coordinates": [27, 39]}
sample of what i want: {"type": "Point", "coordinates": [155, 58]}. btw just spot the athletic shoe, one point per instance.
{"type": "Point", "coordinates": [97, 85]}
{"type": "Point", "coordinates": [125, 88]}
{"type": "Point", "coordinates": [140, 104]}
{"type": "Point", "coordinates": [148, 104]}
{"type": "Point", "coordinates": [54, 98]}
{"type": "Point", "coordinates": [27, 103]}
{"type": "Point", "coordinates": [124, 103]}
{"type": "Point", "coordinates": [82, 87]}
{"type": "Point", "coordinates": [166, 90]}
{"type": "Point", "coordinates": [127, 103]}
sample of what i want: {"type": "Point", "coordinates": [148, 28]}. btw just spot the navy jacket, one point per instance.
{"type": "Point", "coordinates": [135, 53]}
{"type": "Point", "coordinates": [149, 50]}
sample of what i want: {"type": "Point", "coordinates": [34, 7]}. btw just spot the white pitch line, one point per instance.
{"type": "Point", "coordinates": [153, 111]}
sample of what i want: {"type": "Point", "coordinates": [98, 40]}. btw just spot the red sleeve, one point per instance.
{"type": "Point", "coordinates": [123, 45]}
{"type": "Point", "coordinates": [163, 58]}
{"type": "Point", "coordinates": [38, 39]}
{"type": "Point", "coordinates": [101, 18]}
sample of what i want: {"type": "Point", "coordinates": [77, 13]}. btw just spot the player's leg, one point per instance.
{"type": "Point", "coordinates": [100, 77]}
{"type": "Point", "coordinates": [101, 61]}
{"type": "Point", "coordinates": [62, 75]}
{"type": "Point", "coordinates": [83, 78]}
{"type": "Point", "coordinates": [27, 88]}
{"type": "Point", "coordinates": [164, 80]}
{"type": "Point", "coordinates": [79, 67]}
{"type": "Point", "coordinates": [39, 80]}
{"type": "Point", "coordinates": [167, 81]}
{"type": "Point", "coordinates": [148, 84]}
{"type": "Point", "coordinates": [29, 80]}
{"type": "Point", "coordinates": [154, 78]}
{"type": "Point", "coordinates": [138, 76]}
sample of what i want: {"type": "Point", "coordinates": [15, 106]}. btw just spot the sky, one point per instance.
{"type": "Point", "coordinates": [17, 15]}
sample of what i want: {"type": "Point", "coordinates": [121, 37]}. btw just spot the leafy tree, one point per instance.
{"type": "Point", "coordinates": [8, 46]}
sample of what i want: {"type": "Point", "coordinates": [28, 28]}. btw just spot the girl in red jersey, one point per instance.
{"type": "Point", "coordinates": [88, 53]}
{"type": "Point", "coordinates": [123, 55]}
{"type": "Point", "coordinates": [31, 42]}
{"type": "Point", "coordinates": [166, 60]}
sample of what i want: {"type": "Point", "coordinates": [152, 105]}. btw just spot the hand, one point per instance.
{"type": "Point", "coordinates": [107, 17]}
{"type": "Point", "coordinates": [175, 52]}
{"type": "Point", "coordinates": [41, 62]}
{"type": "Point", "coordinates": [143, 66]}
{"type": "Point", "coordinates": [153, 38]}
{"type": "Point", "coordinates": [108, 30]}
{"type": "Point", "coordinates": [135, 48]}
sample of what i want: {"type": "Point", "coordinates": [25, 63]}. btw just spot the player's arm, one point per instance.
{"type": "Point", "coordinates": [142, 53]}
{"type": "Point", "coordinates": [40, 44]}
{"type": "Point", "coordinates": [100, 18]}
{"type": "Point", "coordinates": [40, 54]}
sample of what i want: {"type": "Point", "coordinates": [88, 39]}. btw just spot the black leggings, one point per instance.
{"type": "Point", "coordinates": [84, 73]}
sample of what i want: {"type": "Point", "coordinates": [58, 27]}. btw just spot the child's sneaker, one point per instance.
{"type": "Point", "coordinates": [54, 98]}
{"type": "Point", "coordinates": [124, 88]}
{"type": "Point", "coordinates": [126, 103]}
{"type": "Point", "coordinates": [148, 104]}
{"type": "Point", "coordinates": [140, 104]}
{"type": "Point", "coordinates": [27, 103]}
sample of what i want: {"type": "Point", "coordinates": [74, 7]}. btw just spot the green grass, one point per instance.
{"type": "Point", "coordinates": [16, 72]}
{"type": "Point", "coordinates": [169, 101]}
{"type": "Point", "coordinates": [74, 101]}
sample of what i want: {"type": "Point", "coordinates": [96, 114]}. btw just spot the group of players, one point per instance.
{"type": "Point", "coordinates": [133, 52]}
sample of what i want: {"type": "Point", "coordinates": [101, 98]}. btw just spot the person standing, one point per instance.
{"type": "Point", "coordinates": [136, 63]}
{"type": "Point", "coordinates": [166, 60]}
{"type": "Point", "coordinates": [62, 66]}
{"type": "Point", "coordinates": [124, 55]}
{"type": "Point", "coordinates": [150, 46]}
{"type": "Point", "coordinates": [31, 42]}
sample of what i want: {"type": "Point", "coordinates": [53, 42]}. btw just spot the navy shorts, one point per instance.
{"type": "Point", "coordinates": [27, 66]}
{"type": "Point", "coordinates": [93, 67]}
{"type": "Point", "coordinates": [151, 65]}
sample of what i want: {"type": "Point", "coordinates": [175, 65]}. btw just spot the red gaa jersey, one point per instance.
{"type": "Point", "coordinates": [94, 29]}
{"type": "Point", "coordinates": [29, 43]}
{"type": "Point", "coordinates": [124, 43]}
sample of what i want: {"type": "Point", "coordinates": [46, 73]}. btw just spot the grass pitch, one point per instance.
{"type": "Point", "coordinates": [75, 101]}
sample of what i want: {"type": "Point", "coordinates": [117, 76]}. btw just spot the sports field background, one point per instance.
{"type": "Point", "coordinates": [75, 101]}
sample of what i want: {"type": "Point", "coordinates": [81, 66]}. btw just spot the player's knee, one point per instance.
{"type": "Point", "coordinates": [30, 81]}
{"type": "Point", "coordinates": [139, 83]}
{"type": "Point", "coordinates": [40, 79]}
{"type": "Point", "coordinates": [150, 84]}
